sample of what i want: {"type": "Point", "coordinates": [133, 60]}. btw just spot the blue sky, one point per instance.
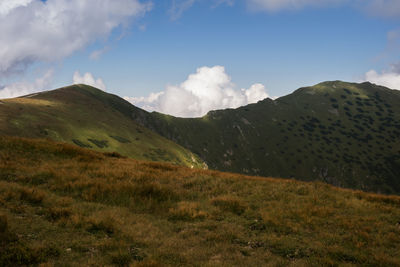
{"type": "Point", "coordinates": [281, 46]}
{"type": "Point", "coordinates": [284, 50]}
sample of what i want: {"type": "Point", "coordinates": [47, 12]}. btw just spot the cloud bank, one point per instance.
{"type": "Point", "coordinates": [389, 78]}
{"type": "Point", "coordinates": [26, 88]}
{"type": "Point", "coordinates": [44, 83]}
{"type": "Point", "coordinates": [210, 88]}
{"type": "Point", "coordinates": [35, 31]}
{"type": "Point", "coordinates": [88, 79]}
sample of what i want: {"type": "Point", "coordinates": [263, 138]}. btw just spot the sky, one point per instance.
{"type": "Point", "coordinates": [186, 57]}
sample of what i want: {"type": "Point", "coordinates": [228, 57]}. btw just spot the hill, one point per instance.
{"type": "Point", "coordinates": [88, 117]}
{"type": "Point", "coordinates": [69, 206]}
{"type": "Point", "coordinates": [345, 134]}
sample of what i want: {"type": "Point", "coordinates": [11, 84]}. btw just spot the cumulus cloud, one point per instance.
{"type": "Point", "coordinates": [210, 88]}
{"type": "Point", "coordinates": [36, 31]}
{"type": "Point", "coordinates": [25, 88]}
{"type": "Point", "coordinates": [88, 79]}
{"type": "Point", "coordinates": [6, 5]}
{"type": "Point", "coordinates": [390, 78]}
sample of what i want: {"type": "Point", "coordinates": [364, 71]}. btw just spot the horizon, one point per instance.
{"type": "Point", "coordinates": [187, 57]}
{"type": "Point", "coordinates": [218, 109]}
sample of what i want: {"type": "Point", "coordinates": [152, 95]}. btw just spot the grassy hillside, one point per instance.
{"type": "Point", "coordinates": [67, 206]}
{"type": "Point", "coordinates": [345, 134]}
{"type": "Point", "coordinates": [90, 118]}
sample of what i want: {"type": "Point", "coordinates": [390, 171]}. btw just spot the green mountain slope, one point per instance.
{"type": "Point", "coordinates": [90, 118]}
{"type": "Point", "coordinates": [345, 134]}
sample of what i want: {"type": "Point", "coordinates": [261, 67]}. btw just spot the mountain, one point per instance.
{"type": "Point", "coordinates": [88, 117]}
{"type": "Point", "coordinates": [62, 205]}
{"type": "Point", "coordinates": [345, 134]}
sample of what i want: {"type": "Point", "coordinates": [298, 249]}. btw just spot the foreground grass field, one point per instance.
{"type": "Point", "coordinates": [63, 205]}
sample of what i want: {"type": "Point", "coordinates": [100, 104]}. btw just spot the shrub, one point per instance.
{"type": "Point", "coordinates": [80, 143]}
{"type": "Point", "coordinates": [120, 139]}
{"type": "Point", "coordinates": [99, 143]}
{"type": "Point", "coordinates": [113, 155]}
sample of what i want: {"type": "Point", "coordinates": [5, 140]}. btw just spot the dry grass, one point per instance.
{"type": "Point", "coordinates": [187, 211]}
{"type": "Point", "coordinates": [62, 205]}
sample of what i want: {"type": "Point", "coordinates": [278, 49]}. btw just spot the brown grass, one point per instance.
{"type": "Point", "coordinates": [187, 211]}
{"type": "Point", "coordinates": [3, 224]}
{"type": "Point", "coordinates": [63, 205]}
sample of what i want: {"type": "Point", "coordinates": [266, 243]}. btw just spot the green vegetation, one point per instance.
{"type": "Point", "coordinates": [90, 118]}
{"type": "Point", "coordinates": [344, 134]}
{"type": "Point", "coordinates": [61, 205]}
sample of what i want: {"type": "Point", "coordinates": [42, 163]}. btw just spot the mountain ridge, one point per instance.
{"type": "Point", "coordinates": [88, 117]}
{"type": "Point", "coordinates": [345, 134]}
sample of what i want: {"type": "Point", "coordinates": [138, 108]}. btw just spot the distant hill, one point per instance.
{"type": "Point", "coordinates": [88, 117]}
{"type": "Point", "coordinates": [345, 134]}
{"type": "Point", "coordinates": [61, 205]}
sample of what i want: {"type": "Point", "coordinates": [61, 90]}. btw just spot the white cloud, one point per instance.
{"type": "Point", "coordinates": [7, 5]}
{"type": "Point", "coordinates": [142, 27]}
{"type": "Point", "coordinates": [88, 79]}
{"type": "Point", "coordinates": [95, 55]}
{"type": "Point", "coordinates": [223, 2]}
{"type": "Point", "coordinates": [25, 88]}
{"type": "Point", "coordinates": [384, 8]}
{"type": "Point", "coordinates": [389, 78]}
{"type": "Point", "coordinates": [255, 93]}
{"type": "Point", "coordinates": [210, 88]}
{"type": "Point", "coordinates": [277, 5]}
{"type": "Point", "coordinates": [35, 31]}
{"type": "Point", "coordinates": [179, 7]}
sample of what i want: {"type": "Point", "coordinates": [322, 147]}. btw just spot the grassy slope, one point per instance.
{"type": "Point", "coordinates": [341, 133]}
{"type": "Point", "coordinates": [90, 118]}
{"type": "Point", "coordinates": [69, 206]}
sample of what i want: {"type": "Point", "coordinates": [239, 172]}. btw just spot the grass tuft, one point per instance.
{"type": "Point", "coordinates": [3, 224]}
{"type": "Point", "coordinates": [187, 211]}
{"type": "Point", "coordinates": [32, 195]}
{"type": "Point", "coordinates": [57, 213]}
{"type": "Point", "coordinates": [230, 204]}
